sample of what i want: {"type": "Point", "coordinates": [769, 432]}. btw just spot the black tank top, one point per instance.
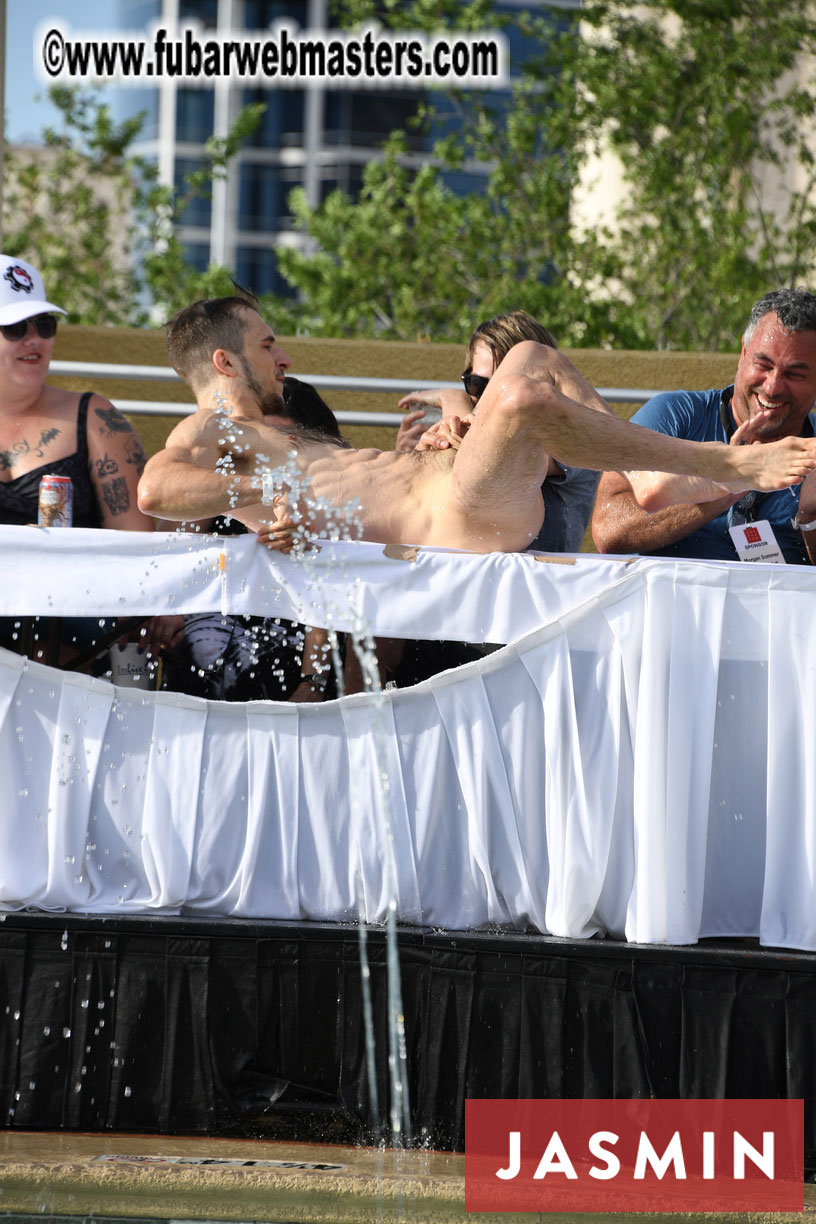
{"type": "Point", "coordinates": [19, 498]}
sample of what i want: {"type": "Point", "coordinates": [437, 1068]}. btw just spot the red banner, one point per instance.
{"type": "Point", "coordinates": [634, 1155]}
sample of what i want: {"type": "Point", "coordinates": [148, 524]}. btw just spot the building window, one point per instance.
{"type": "Point", "coordinates": [256, 268]}
{"type": "Point", "coordinates": [344, 178]}
{"type": "Point", "coordinates": [194, 115]}
{"type": "Point", "coordinates": [199, 209]}
{"type": "Point", "coordinates": [205, 11]}
{"type": "Point", "coordinates": [282, 122]}
{"type": "Point", "coordinates": [197, 254]}
{"type": "Point", "coordinates": [263, 193]}
{"type": "Point", "coordinates": [260, 14]}
{"type": "Point", "coordinates": [366, 119]}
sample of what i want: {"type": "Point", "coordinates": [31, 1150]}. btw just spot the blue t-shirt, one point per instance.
{"type": "Point", "coordinates": [696, 415]}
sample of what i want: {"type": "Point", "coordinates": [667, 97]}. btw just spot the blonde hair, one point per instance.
{"type": "Point", "coordinates": [503, 331]}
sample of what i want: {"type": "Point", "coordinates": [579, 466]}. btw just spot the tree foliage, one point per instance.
{"type": "Point", "coordinates": [709, 106]}
{"type": "Point", "coordinates": [702, 103]}
{"type": "Point", "coordinates": [94, 219]}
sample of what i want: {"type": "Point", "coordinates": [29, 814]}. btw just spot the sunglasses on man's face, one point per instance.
{"type": "Point", "coordinates": [45, 324]}
{"type": "Point", "coordinates": [475, 384]}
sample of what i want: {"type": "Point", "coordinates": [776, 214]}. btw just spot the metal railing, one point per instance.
{"type": "Point", "coordinates": [331, 382]}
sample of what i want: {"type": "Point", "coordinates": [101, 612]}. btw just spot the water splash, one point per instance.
{"type": "Point", "coordinates": [339, 523]}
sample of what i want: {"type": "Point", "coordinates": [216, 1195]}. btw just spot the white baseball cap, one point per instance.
{"type": "Point", "coordinates": [22, 292]}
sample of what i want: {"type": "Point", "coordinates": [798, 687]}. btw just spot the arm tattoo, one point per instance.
{"type": "Point", "coordinates": [112, 421]}
{"type": "Point", "coordinates": [115, 493]}
{"type": "Point", "coordinates": [135, 453]}
{"type": "Point", "coordinates": [106, 466]}
{"type": "Point", "coordinates": [11, 457]}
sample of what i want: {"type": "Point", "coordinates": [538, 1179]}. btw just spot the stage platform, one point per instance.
{"type": "Point", "coordinates": [251, 1029]}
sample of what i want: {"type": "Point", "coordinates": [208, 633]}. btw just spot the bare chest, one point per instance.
{"type": "Point", "coordinates": [381, 496]}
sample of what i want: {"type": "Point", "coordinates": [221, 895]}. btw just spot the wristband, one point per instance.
{"type": "Point", "coordinates": [803, 526]}
{"type": "Point", "coordinates": [318, 683]}
{"type": "Point", "coordinates": [267, 488]}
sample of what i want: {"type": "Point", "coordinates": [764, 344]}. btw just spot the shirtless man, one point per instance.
{"type": "Point", "coordinates": [483, 496]}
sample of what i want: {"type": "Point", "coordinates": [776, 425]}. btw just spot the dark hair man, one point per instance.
{"type": "Point", "coordinates": [483, 496]}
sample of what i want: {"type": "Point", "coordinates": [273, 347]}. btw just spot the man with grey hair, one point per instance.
{"type": "Point", "coordinates": [773, 393]}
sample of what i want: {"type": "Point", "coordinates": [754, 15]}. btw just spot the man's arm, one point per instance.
{"type": "Point", "coordinates": [659, 490]}
{"type": "Point", "coordinates": [452, 401]}
{"type": "Point", "coordinates": [807, 514]}
{"type": "Point", "coordinates": [315, 667]}
{"type": "Point", "coordinates": [621, 525]}
{"type": "Point", "coordinates": [183, 483]}
{"type": "Point", "coordinates": [175, 488]}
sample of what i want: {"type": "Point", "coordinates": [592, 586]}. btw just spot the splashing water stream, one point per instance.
{"type": "Point", "coordinates": [343, 523]}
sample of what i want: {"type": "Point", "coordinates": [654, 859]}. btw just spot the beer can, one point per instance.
{"type": "Point", "coordinates": [432, 413]}
{"type": "Point", "coordinates": [56, 504]}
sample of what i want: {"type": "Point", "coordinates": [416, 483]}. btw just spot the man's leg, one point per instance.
{"type": "Point", "coordinates": [537, 401]}
{"type": "Point", "coordinates": [502, 461]}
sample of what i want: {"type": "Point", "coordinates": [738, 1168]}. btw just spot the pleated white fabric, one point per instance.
{"type": "Point", "coordinates": [638, 764]}
{"type": "Point", "coordinates": [347, 586]}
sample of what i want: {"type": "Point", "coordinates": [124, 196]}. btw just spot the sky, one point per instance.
{"type": "Point", "coordinates": [25, 116]}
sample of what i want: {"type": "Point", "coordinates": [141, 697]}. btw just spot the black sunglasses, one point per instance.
{"type": "Point", "coordinates": [45, 324]}
{"type": "Point", "coordinates": [475, 384]}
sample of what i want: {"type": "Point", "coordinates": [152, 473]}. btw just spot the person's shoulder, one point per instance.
{"type": "Point", "coordinates": [105, 416]}
{"type": "Point", "coordinates": [200, 426]}
{"type": "Point", "coordinates": [57, 401]}
{"type": "Point", "coordinates": [678, 412]}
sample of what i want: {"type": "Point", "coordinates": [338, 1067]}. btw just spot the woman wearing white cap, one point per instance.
{"type": "Point", "coordinates": [47, 430]}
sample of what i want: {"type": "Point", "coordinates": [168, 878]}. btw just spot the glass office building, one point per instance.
{"type": "Point", "coordinates": [318, 138]}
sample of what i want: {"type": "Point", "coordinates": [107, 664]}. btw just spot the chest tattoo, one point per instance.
{"type": "Point", "coordinates": [11, 457]}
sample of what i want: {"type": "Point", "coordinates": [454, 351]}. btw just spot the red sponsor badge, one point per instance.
{"type": "Point", "coordinates": [634, 1155]}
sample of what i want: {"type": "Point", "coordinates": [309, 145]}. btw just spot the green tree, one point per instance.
{"type": "Point", "coordinates": [700, 101]}
{"type": "Point", "coordinates": [92, 216]}
{"type": "Point", "coordinates": [389, 263]}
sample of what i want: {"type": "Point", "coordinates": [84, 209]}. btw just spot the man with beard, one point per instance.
{"type": "Point", "coordinates": [227, 657]}
{"type": "Point", "coordinates": [772, 396]}
{"type": "Point", "coordinates": [483, 495]}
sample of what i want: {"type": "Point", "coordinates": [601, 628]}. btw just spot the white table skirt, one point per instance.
{"type": "Point", "coordinates": [637, 761]}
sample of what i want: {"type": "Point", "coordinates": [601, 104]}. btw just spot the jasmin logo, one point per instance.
{"type": "Point", "coordinates": [625, 1155]}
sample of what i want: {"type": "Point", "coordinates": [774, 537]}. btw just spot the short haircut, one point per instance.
{"type": "Point", "coordinates": [504, 331]}
{"type": "Point", "coordinates": [198, 330]}
{"type": "Point", "coordinates": [796, 309]}
{"type": "Point", "coordinates": [307, 408]}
